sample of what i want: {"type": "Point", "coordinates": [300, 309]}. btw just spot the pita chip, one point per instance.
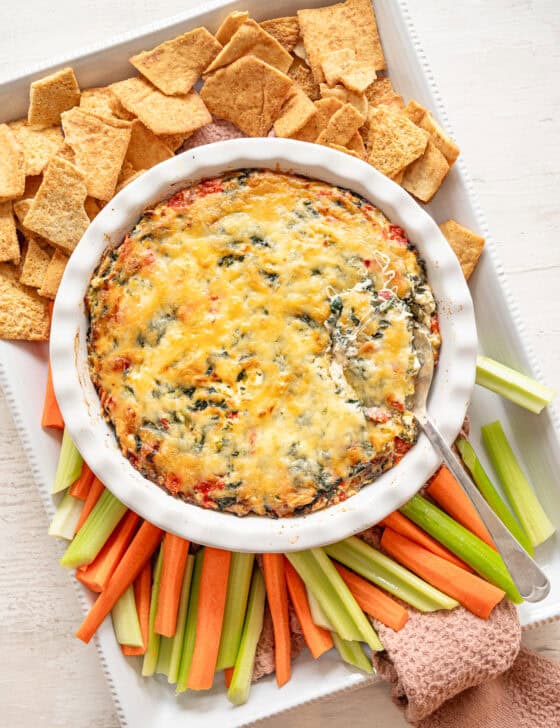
{"type": "Point", "coordinates": [301, 74]}
{"type": "Point", "coordinates": [35, 263]}
{"type": "Point", "coordinates": [393, 141]}
{"type": "Point", "coordinates": [318, 123]}
{"type": "Point", "coordinates": [285, 30]}
{"type": "Point", "coordinates": [251, 39]}
{"type": "Point", "coordinates": [9, 245]}
{"type": "Point", "coordinates": [342, 126]}
{"type": "Point", "coordinates": [230, 25]}
{"type": "Point", "coordinates": [424, 176]}
{"type": "Point", "coordinates": [38, 145]}
{"type": "Point", "coordinates": [53, 275]}
{"type": "Point", "coordinates": [297, 111]}
{"type": "Point", "coordinates": [12, 165]}
{"type": "Point", "coordinates": [50, 96]}
{"type": "Point", "coordinates": [358, 101]}
{"type": "Point", "coordinates": [145, 149]}
{"type": "Point", "coordinates": [466, 245]}
{"type": "Point", "coordinates": [24, 315]}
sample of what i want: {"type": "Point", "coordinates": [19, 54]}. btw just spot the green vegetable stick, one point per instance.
{"type": "Point", "coordinates": [352, 653]}
{"type": "Point", "coordinates": [511, 384]}
{"type": "Point", "coordinates": [63, 524]}
{"type": "Point", "coordinates": [177, 649]}
{"type": "Point", "coordinates": [491, 495]}
{"type": "Point", "coordinates": [518, 489]}
{"type": "Point", "coordinates": [98, 526]}
{"type": "Point", "coordinates": [190, 628]}
{"type": "Point", "coordinates": [238, 691]}
{"type": "Point", "coordinates": [325, 592]}
{"type": "Point", "coordinates": [386, 573]}
{"type": "Point", "coordinates": [464, 544]}
{"type": "Point", "coordinates": [317, 614]}
{"type": "Point", "coordinates": [239, 583]}
{"type": "Point", "coordinates": [125, 620]}
{"type": "Point", "coordinates": [164, 655]}
{"type": "Point", "coordinates": [151, 655]}
{"type": "Point", "coordinates": [69, 464]}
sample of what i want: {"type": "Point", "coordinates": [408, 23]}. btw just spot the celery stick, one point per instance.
{"type": "Point", "coordinates": [164, 655]}
{"type": "Point", "coordinates": [491, 495]}
{"type": "Point", "coordinates": [518, 489]}
{"type": "Point", "coordinates": [177, 649]}
{"type": "Point", "coordinates": [69, 464]}
{"type": "Point", "coordinates": [91, 537]}
{"type": "Point", "coordinates": [190, 628]}
{"type": "Point", "coordinates": [464, 544]}
{"type": "Point", "coordinates": [66, 517]}
{"type": "Point", "coordinates": [368, 634]}
{"type": "Point", "coordinates": [386, 573]}
{"type": "Point", "coordinates": [152, 650]}
{"type": "Point", "coordinates": [239, 583]}
{"type": "Point", "coordinates": [325, 592]}
{"type": "Point", "coordinates": [238, 691]}
{"type": "Point", "coordinates": [352, 653]}
{"type": "Point", "coordinates": [125, 620]}
{"type": "Point", "coordinates": [511, 384]}
{"type": "Point", "coordinates": [317, 614]}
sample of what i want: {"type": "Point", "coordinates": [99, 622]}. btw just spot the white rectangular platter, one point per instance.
{"type": "Point", "coordinates": [151, 702]}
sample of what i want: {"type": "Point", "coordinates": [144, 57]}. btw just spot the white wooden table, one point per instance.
{"type": "Point", "coordinates": [497, 64]}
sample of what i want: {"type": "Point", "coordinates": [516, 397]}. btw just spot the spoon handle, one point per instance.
{"type": "Point", "coordinates": [529, 579]}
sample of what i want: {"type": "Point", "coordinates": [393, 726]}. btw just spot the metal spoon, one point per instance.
{"type": "Point", "coordinates": [529, 579]}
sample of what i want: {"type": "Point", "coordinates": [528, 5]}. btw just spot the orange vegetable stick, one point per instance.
{"type": "Point", "coordinates": [228, 674]}
{"type": "Point", "coordinates": [52, 416]}
{"type": "Point", "coordinates": [97, 574]}
{"type": "Point", "coordinates": [210, 616]}
{"type": "Point", "coordinates": [318, 640]}
{"type": "Point", "coordinates": [138, 553]}
{"type": "Point", "coordinates": [475, 594]}
{"type": "Point", "coordinates": [175, 552]}
{"type": "Point", "coordinates": [142, 594]}
{"type": "Point", "coordinates": [374, 601]}
{"type": "Point", "coordinates": [277, 596]}
{"type": "Point", "coordinates": [81, 486]}
{"type": "Point", "coordinates": [403, 525]}
{"type": "Point", "coordinates": [93, 496]}
{"type": "Point", "coordinates": [448, 494]}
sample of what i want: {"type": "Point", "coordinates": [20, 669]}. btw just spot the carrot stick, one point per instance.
{"type": "Point", "coordinates": [142, 594]}
{"type": "Point", "coordinates": [52, 416]}
{"type": "Point", "coordinates": [81, 486]}
{"type": "Point", "coordinates": [277, 595]}
{"type": "Point", "coordinates": [228, 674]}
{"type": "Point", "coordinates": [140, 550]}
{"type": "Point", "coordinates": [93, 496]}
{"type": "Point", "coordinates": [475, 594]}
{"type": "Point", "coordinates": [318, 640]}
{"type": "Point", "coordinates": [448, 494]}
{"type": "Point", "coordinates": [97, 574]}
{"type": "Point", "coordinates": [210, 616]}
{"type": "Point", "coordinates": [175, 552]}
{"type": "Point", "coordinates": [374, 601]}
{"type": "Point", "coordinates": [403, 525]}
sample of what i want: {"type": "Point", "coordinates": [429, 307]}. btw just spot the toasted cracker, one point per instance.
{"type": "Point", "coordinates": [342, 126]}
{"type": "Point", "coordinates": [35, 263]}
{"type": "Point", "coordinates": [92, 207]}
{"type": "Point", "coordinates": [103, 102]}
{"type": "Point", "coordinates": [342, 67]}
{"type": "Point", "coordinates": [249, 93]}
{"type": "Point", "coordinates": [21, 208]}
{"type": "Point", "coordinates": [358, 101]}
{"type": "Point", "coordinates": [398, 177]}
{"type": "Point", "coordinates": [50, 96]}
{"type": "Point", "coordinates": [356, 145]}
{"type": "Point", "coordinates": [466, 245]}
{"type": "Point", "coordinates": [12, 165]}
{"type": "Point", "coordinates": [24, 315]}
{"type": "Point", "coordinates": [38, 145]}
{"type": "Point", "coordinates": [333, 64]}
{"type": "Point", "coordinates": [173, 141]}
{"type": "Point", "coordinates": [301, 74]}
{"type": "Point", "coordinates": [422, 118]}
{"type": "Point", "coordinates": [32, 184]}
{"type": "Point", "coordinates": [9, 245]}
{"type": "Point", "coordinates": [393, 103]}
{"type": "Point", "coordinates": [57, 211]}
{"type": "Point", "coordinates": [285, 30]}
{"type": "Point", "coordinates": [346, 150]}
{"type": "Point", "coordinates": [315, 126]}
{"type": "Point", "coordinates": [251, 39]}
{"type": "Point", "coordinates": [415, 111]}
{"type": "Point", "coordinates": [176, 65]}
{"type": "Point", "coordinates": [393, 141]}
{"type": "Point", "coordinates": [298, 110]}
{"type": "Point", "coordinates": [423, 177]}
{"type": "Point", "coordinates": [53, 275]}
{"type": "Point", "coordinates": [346, 25]}
{"type": "Point", "coordinates": [66, 152]}
{"type": "Point", "coordinates": [99, 145]}
{"type": "Point", "coordinates": [230, 25]}
{"type": "Point", "coordinates": [145, 148]}
{"type": "Point", "coordinates": [128, 177]}
{"type": "Point", "coordinates": [160, 113]}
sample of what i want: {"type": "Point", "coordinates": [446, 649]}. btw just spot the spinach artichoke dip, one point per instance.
{"type": "Point", "coordinates": [251, 341]}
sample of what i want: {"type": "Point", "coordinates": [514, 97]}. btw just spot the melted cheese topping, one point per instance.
{"type": "Point", "coordinates": [252, 343]}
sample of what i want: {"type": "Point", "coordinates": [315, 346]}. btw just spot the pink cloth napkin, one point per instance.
{"type": "Point", "coordinates": [447, 669]}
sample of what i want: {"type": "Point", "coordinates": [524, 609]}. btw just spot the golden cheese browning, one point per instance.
{"type": "Point", "coordinates": [252, 343]}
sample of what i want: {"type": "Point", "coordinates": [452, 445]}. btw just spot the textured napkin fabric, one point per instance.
{"type": "Point", "coordinates": [448, 669]}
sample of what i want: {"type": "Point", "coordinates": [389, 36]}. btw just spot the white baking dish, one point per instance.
{"type": "Point", "coordinates": [150, 703]}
